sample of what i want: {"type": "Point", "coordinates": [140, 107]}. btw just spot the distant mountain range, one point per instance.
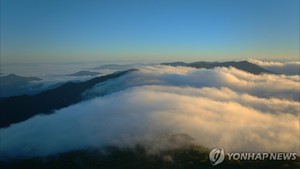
{"type": "Point", "coordinates": [242, 65]}
{"type": "Point", "coordinates": [13, 84]}
{"type": "Point", "coordinates": [84, 73]}
{"type": "Point", "coordinates": [13, 79]}
{"type": "Point", "coordinates": [115, 67]}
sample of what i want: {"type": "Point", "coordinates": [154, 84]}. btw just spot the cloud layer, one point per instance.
{"type": "Point", "coordinates": [287, 68]}
{"type": "Point", "coordinates": [223, 107]}
{"type": "Point", "coordinates": [264, 86]}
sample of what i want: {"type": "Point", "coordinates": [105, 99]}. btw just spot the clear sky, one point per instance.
{"type": "Point", "coordinates": [34, 31]}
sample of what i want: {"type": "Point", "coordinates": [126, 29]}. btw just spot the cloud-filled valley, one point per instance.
{"type": "Point", "coordinates": [217, 107]}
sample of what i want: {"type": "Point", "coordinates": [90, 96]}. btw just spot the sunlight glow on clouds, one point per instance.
{"type": "Point", "coordinates": [227, 107]}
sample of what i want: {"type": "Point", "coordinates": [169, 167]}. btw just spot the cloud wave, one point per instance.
{"type": "Point", "coordinates": [223, 107]}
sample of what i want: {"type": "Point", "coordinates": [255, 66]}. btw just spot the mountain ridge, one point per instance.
{"type": "Point", "coordinates": [19, 108]}
{"type": "Point", "coordinates": [13, 84]}
{"type": "Point", "coordinates": [84, 73]}
{"type": "Point", "coordinates": [241, 65]}
{"type": "Point", "coordinates": [13, 78]}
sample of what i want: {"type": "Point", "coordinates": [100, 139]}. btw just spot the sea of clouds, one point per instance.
{"type": "Point", "coordinates": [287, 68]}
{"type": "Point", "coordinates": [222, 107]}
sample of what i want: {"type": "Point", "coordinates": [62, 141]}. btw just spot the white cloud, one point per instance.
{"type": "Point", "coordinates": [288, 68]}
{"type": "Point", "coordinates": [266, 85]}
{"type": "Point", "coordinates": [223, 107]}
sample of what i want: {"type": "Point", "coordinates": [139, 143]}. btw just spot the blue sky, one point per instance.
{"type": "Point", "coordinates": [34, 31]}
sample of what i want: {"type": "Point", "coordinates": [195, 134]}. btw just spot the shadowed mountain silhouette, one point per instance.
{"type": "Point", "coordinates": [19, 108]}
{"type": "Point", "coordinates": [84, 73]}
{"type": "Point", "coordinates": [12, 84]}
{"type": "Point", "coordinates": [13, 79]}
{"type": "Point", "coordinates": [242, 65]}
{"type": "Point", "coordinates": [115, 67]}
